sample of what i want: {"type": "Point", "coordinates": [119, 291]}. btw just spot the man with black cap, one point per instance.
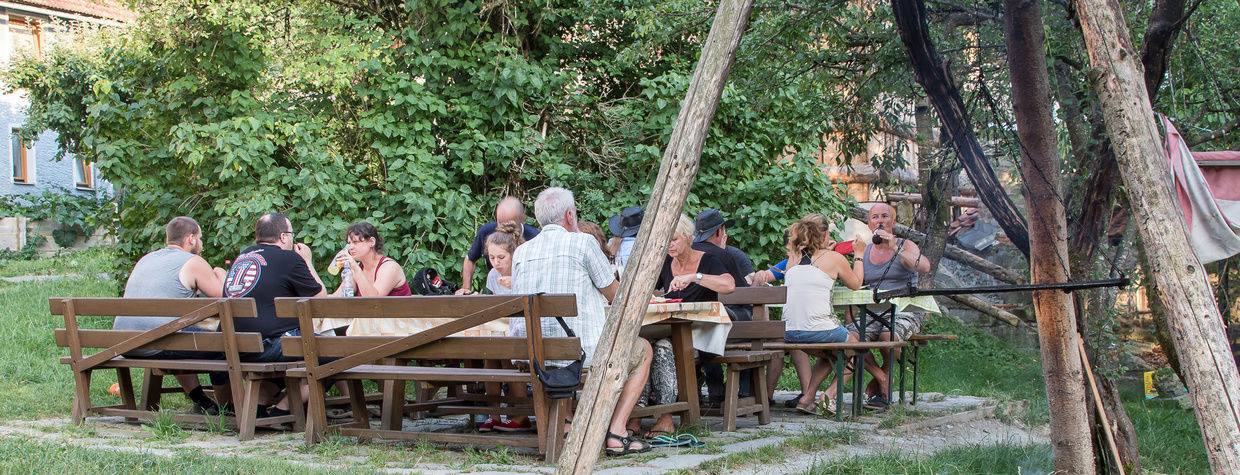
{"type": "Point", "coordinates": [710, 235]}
{"type": "Point", "coordinates": [624, 227]}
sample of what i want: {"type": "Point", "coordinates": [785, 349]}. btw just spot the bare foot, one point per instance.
{"type": "Point", "coordinates": [663, 426]}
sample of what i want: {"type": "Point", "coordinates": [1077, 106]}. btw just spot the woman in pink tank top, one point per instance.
{"type": "Point", "coordinates": [374, 274]}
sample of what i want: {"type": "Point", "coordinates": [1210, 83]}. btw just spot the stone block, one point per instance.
{"type": "Point", "coordinates": [13, 233]}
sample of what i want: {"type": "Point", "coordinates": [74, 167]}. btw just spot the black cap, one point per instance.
{"type": "Point", "coordinates": [707, 222]}
{"type": "Point", "coordinates": [627, 222]}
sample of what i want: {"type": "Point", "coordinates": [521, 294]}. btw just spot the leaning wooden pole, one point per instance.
{"type": "Point", "coordinates": [667, 202]}
{"type": "Point", "coordinates": [1183, 286]}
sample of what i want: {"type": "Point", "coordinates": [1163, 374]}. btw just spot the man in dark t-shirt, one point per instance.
{"type": "Point", "coordinates": [508, 209]}
{"type": "Point", "coordinates": [710, 235]}
{"type": "Point", "coordinates": [275, 266]}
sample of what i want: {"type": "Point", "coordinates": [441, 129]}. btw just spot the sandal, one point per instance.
{"type": "Point", "coordinates": [794, 402]}
{"type": "Point", "coordinates": [826, 407]}
{"type": "Point", "coordinates": [627, 443]}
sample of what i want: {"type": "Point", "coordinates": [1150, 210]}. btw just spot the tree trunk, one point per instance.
{"type": "Point", "coordinates": [1192, 314]}
{"type": "Point", "coordinates": [1048, 233]}
{"type": "Point", "coordinates": [1098, 304]}
{"type": "Point", "coordinates": [1162, 332]}
{"type": "Point", "coordinates": [935, 214]}
{"type": "Point", "coordinates": [934, 76]}
{"type": "Point", "coordinates": [1166, 20]}
{"type": "Point", "coordinates": [667, 202]}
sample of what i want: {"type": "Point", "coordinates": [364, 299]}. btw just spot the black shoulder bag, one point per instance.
{"type": "Point", "coordinates": [561, 383]}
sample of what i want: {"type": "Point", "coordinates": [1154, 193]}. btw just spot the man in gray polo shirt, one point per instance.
{"type": "Point", "coordinates": [175, 271]}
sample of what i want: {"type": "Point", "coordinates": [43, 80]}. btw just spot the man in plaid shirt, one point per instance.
{"type": "Point", "coordinates": [562, 260]}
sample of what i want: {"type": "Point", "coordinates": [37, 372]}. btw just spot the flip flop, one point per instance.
{"type": "Point", "coordinates": [793, 403]}
{"type": "Point", "coordinates": [682, 440]}
{"type": "Point", "coordinates": [811, 408]}
{"type": "Point", "coordinates": [826, 407]}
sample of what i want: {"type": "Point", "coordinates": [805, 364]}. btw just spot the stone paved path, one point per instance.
{"type": "Point", "coordinates": [935, 424]}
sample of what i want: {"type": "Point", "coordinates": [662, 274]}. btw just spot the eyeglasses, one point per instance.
{"type": "Point", "coordinates": [290, 233]}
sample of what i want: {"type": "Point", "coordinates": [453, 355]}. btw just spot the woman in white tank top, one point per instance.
{"type": "Point", "coordinates": [808, 314]}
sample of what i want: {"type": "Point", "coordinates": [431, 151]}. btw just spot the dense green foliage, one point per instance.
{"type": "Point", "coordinates": [419, 116]}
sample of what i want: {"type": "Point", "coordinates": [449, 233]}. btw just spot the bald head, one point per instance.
{"type": "Point", "coordinates": [510, 209]}
{"type": "Point", "coordinates": [882, 215]}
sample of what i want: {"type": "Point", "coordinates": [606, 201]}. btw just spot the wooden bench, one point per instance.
{"type": "Point", "coordinates": [758, 336]}
{"type": "Point", "coordinates": [917, 342]}
{"type": "Point", "coordinates": [759, 297]}
{"type": "Point", "coordinates": [755, 361]}
{"type": "Point", "coordinates": [358, 356]}
{"type": "Point", "coordinates": [244, 378]}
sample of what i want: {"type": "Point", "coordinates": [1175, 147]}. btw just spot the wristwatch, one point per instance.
{"type": "Point", "coordinates": [699, 278]}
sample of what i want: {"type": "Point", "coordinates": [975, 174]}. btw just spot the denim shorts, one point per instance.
{"type": "Point", "coordinates": [835, 335]}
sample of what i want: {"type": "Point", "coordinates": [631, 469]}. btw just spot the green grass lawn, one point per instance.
{"type": "Point", "coordinates": [95, 260]}
{"type": "Point", "coordinates": [1001, 458]}
{"type": "Point", "coordinates": [32, 380]}
{"type": "Point", "coordinates": [23, 456]}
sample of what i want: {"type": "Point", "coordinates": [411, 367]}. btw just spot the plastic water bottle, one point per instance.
{"type": "Point", "coordinates": [346, 281]}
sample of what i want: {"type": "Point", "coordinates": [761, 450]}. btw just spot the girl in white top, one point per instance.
{"type": "Point", "coordinates": [499, 247]}
{"type": "Point", "coordinates": [808, 314]}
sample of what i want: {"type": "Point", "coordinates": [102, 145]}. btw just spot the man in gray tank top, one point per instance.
{"type": "Point", "coordinates": [889, 263]}
{"type": "Point", "coordinates": [175, 271]}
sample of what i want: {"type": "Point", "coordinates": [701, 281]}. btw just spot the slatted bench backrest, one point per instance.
{"type": "Point", "coordinates": [464, 311]}
{"type": "Point", "coordinates": [759, 297]}
{"type": "Point", "coordinates": [197, 309]}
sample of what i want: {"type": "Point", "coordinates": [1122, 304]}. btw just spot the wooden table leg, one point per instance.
{"type": "Point", "coordinates": [686, 373]}
{"type": "Point", "coordinates": [393, 406]}
{"type": "Point", "coordinates": [859, 364]}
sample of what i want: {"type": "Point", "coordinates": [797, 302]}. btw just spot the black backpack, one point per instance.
{"type": "Point", "coordinates": [427, 282]}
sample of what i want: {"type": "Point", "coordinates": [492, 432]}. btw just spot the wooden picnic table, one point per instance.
{"type": "Point", "coordinates": [862, 300]}
{"type": "Point", "coordinates": [690, 325]}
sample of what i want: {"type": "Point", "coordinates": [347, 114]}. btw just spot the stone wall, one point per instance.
{"type": "Point", "coordinates": [13, 235]}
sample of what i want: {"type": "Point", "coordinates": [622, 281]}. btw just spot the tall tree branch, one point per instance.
{"type": "Point", "coordinates": [1213, 135]}
{"type": "Point", "coordinates": [934, 76]}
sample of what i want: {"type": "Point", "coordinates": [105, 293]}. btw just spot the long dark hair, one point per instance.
{"type": "Point", "coordinates": [365, 230]}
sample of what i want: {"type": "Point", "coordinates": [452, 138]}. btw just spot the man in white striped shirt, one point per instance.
{"type": "Point", "coordinates": [562, 260]}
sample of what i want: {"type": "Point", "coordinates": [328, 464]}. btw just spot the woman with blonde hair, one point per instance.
{"type": "Point", "coordinates": [809, 316]}
{"type": "Point", "coordinates": [692, 276]}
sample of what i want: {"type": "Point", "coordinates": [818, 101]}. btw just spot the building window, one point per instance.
{"type": "Point", "coordinates": [20, 150]}
{"type": "Point", "coordinates": [83, 174]}
{"type": "Point", "coordinates": [26, 36]}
